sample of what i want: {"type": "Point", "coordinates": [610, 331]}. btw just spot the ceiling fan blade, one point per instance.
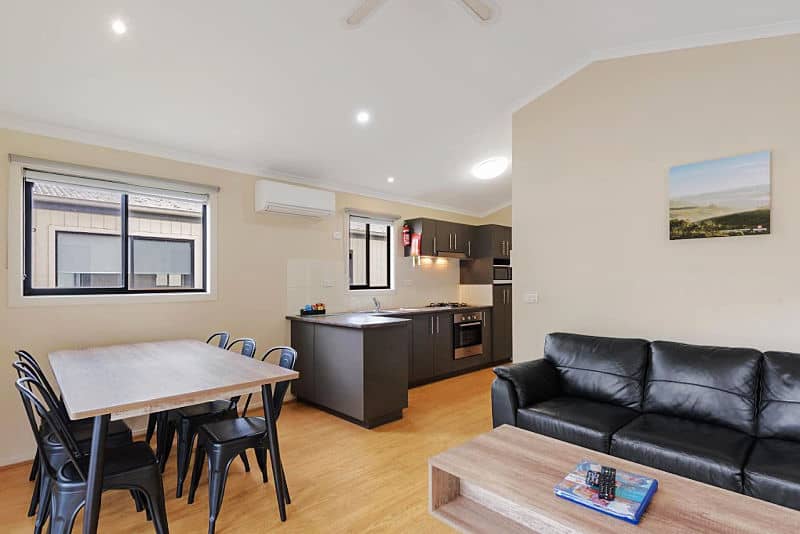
{"type": "Point", "coordinates": [480, 9]}
{"type": "Point", "coordinates": [367, 8]}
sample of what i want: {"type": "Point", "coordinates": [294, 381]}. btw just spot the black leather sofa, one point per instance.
{"type": "Point", "coordinates": [724, 416]}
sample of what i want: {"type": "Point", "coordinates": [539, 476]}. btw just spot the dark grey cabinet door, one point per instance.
{"type": "Point", "coordinates": [443, 349]}
{"type": "Point", "coordinates": [303, 343]}
{"type": "Point", "coordinates": [502, 321]}
{"type": "Point", "coordinates": [444, 236]}
{"type": "Point", "coordinates": [422, 348]}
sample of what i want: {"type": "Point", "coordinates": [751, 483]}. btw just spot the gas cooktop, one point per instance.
{"type": "Point", "coordinates": [448, 305]}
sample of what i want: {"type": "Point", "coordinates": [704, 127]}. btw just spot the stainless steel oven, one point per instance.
{"type": "Point", "coordinates": [467, 334]}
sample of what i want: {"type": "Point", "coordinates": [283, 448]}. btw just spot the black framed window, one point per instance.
{"type": "Point", "coordinates": [370, 253]}
{"type": "Point", "coordinates": [82, 239]}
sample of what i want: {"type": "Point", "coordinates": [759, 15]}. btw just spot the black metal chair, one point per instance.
{"type": "Point", "coordinates": [118, 434]}
{"type": "Point", "coordinates": [186, 421]}
{"type": "Point", "coordinates": [220, 339]}
{"type": "Point", "coordinates": [130, 467]}
{"type": "Point", "coordinates": [224, 440]}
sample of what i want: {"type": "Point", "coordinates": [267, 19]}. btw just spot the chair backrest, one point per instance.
{"type": "Point", "coordinates": [220, 339]}
{"type": "Point", "coordinates": [42, 413]}
{"type": "Point", "coordinates": [30, 361]}
{"type": "Point", "coordinates": [287, 360]}
{"type": "Point", "coordinates": [245, 346]}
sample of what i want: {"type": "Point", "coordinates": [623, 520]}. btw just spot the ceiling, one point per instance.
{"type": "Point", "coordinates": [272, 86]}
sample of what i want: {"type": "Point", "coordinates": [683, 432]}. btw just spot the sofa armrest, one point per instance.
{"type": "Point", "coordinates": [504, 403]}
{"type": "Point", "coordinates": [533, 381]}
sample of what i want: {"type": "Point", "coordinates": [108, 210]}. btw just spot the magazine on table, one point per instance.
{"type": "Point", "coordinates": [633, 492]}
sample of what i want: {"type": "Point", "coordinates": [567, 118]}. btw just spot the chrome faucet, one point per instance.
{"type": "Point", "coordinates": [377, 304]}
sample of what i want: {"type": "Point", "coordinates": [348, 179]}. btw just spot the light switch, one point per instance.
{"type": "Point", "coordinates": [531, 298]}
{"type": "Point", "coordinates": [327, 283]}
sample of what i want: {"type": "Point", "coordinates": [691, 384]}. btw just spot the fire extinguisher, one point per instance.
{"type": "Point", "coordinates": [406, 236]}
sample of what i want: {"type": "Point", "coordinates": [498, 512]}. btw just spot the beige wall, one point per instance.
{"type": "Point", "coordinates": [269, 264]}
{"type": "Point", "coordinates": [591, 159]}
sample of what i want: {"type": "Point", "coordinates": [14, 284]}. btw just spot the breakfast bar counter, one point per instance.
{"type": "Point", "coordinates": [353, 365]}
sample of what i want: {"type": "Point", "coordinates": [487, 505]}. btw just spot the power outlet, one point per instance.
{"type": "Point", "coordinates": [532, 298]}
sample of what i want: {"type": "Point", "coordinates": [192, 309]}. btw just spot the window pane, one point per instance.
{"type": "Point", "coordinates": [162, 263]}
{"type": "Point", "coordinates": [378, 251]}
{"type": "Point", "coordinates": [166, 249]}
{"type": "Point", "coordinates": [75, 237]}
{"type": "Point", "coordinates": [358, 253]}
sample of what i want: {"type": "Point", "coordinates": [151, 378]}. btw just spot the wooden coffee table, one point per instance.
{"type": "Point", "coordinates": [502, 481]}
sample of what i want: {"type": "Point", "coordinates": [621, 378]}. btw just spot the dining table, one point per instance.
{"type": "Point", "coordinates": [122, 381]}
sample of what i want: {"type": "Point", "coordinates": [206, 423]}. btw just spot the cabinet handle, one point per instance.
{"type": "Point", "coordinates": [435, 252]}
{"type": "Point", "coordinates": [450, 242]}
{"type": "Point", "coordinates": [437, 324]}
{"type": "Point", "coordinates": [456, 238]}
{"type": "Point", "coordinates": [469, 248]}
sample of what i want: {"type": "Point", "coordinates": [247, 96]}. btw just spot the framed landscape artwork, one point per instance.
{"type": "Point", "coordinates": [721, 198]}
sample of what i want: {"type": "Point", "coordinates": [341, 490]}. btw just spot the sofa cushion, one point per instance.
{"type": "Point", "coordinates": [603, 369]}
{"type": "Point", "coordinates": [779, 408]}
{"type": "Point", "coordinates": [700, 451]}
{"type": "Point", "coordinates": [773, 472]}
{"type": "Point", "coordinates": [715, 385]}
{"type": "Point", "coordinates": [583, 422]}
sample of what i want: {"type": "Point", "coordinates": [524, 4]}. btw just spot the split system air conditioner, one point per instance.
{"type": "Point", "coordinates": [277, 197]}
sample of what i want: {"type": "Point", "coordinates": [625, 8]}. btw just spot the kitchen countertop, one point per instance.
{"type": "Point", "coordinates": [373, 319]}
{"type": "Point", "coordinates": [422, 310]}
{"type": "Point", "coordinates": [350, 320]}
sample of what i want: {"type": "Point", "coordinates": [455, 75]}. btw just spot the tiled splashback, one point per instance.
{"type": "Point", "coordinates": [311, 280]}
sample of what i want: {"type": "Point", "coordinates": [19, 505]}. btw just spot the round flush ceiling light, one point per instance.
{"type": "Point", "coordinates": [363, 117]}
{"type": "Point", "coordinates": [490, 168]}
{"type": "Point", "coordinates": [390, 179]}
{"type": "Point", "coordinates": [118, 26]}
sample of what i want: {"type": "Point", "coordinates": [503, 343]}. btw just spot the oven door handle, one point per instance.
{"type": "Point", "coordinates": [476, 323]}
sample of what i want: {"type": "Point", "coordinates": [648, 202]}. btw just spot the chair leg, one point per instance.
{"type": "Point", "coordinates": [153, 492]}
{"type": "Point", "coordinates": [45, 499]}
{"type": "Point", "coordinates": [199, 460]}
{"type": "Point", "coordinates": [245, 461]}
{"type": "Point", "coordinates": [261, 458]}
{"type": "Point", "coordinates": [166, 444]}
{"type": "Point", "coordinates": [35, 496]}
{"type": "Point", "coordinates": [137, 499]}
{"type": "Point", "coordinates": [186, 436]}
{"type": "Point", "coordinates": [151, 427]}
{"type": "Point", "coordinates": [63, 509]}
{"type": "Point", "coordinates": [217, 476]}
{"type": "Point", "coordinates": [34, 467]}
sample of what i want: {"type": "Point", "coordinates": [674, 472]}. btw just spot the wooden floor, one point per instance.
{"type": "Point", "coordinates": [342, 477]}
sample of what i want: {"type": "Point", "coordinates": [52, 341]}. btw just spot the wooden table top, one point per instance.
{"type": "Point", "coordinates": [137, 379]}
{"type": "Point", "coordinates": [510, 473]}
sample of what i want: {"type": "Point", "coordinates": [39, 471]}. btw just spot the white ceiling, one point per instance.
{"type": "Point", "coordinates": [272, 86]}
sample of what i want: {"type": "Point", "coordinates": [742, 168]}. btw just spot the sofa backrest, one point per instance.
{"type": "Point", "coordinates": [604, 369]}
{"type": "Point", "coordinates": [710, 384]}
{"type": "Point", "coordinates": [779, 406]}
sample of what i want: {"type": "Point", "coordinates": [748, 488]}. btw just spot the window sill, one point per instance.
{"type": "Point", "coordinates": [19, 301]}
{"type": "Point", "coordinates": [370, 291]}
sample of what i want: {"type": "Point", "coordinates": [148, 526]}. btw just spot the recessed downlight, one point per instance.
{"type": "Point", "coordinates": [390, 179]}
{"type": "Point", "coordinates": [119, 27]}
{"type": "Point", "coordinates": [490, 168]}
{"type": "Point", "coordinates": [363, 117]}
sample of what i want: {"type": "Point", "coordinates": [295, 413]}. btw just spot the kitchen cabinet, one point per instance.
{"type": "Point", "coordinates": [492, 241]}
{"type": "Point", "coordinates": [443, 237]}
{"type": "Point", "coordinates": [422, 348]}
{"type": "Point", "coordinates": [427, 229]}
{"type": "Point", "coordinates": [502, 323]}
{"type": "Point", "coordinates": [443, 343]}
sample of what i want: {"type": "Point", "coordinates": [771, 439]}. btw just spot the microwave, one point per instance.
{"type": "Point", "coordinates": [501, 274]}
